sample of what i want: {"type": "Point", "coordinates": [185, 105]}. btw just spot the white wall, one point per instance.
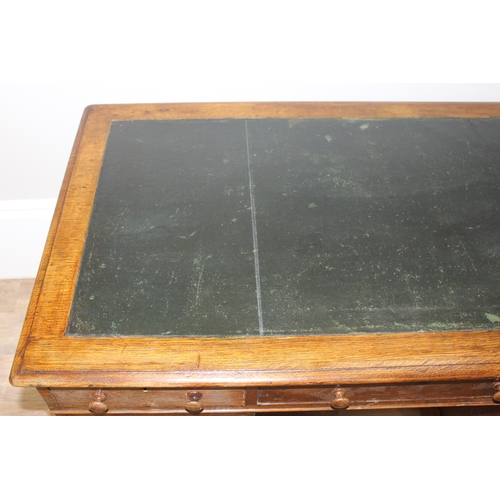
{"type": "Point", "coordinates": [61, 58]}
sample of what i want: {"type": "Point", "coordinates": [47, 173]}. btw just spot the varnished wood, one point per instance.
{"type": "Point", "coordinates": [194, 407]}
{"type": "Point", "coordinates": [298, 399]}
{"type": "Point", "coordinates": [251, 396]}
{"type": "Point", "coordinates": [496, 396]}
{"type": "Point", "coordinates": [98, 405]}
{"type": "Point", "coordinates": [213, 362]}
{"type": "Point", "coordinates": [47, 358]}
{"type": "Point", "coordinates": [81, 401]}
{"type": "Point", "coordinates": [370, 396]}
{"type": "Point", "coordinates": [340, 401]}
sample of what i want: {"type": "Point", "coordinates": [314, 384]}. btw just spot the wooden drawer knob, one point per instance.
{"type": "Point", "coordinates": [98, 405]}
{"type": "Point", "coordinates": [194, 405]}
{"type": "Point", "coordinates": [340, 401]}
{"type": "Point", "coordinates": [496, 396]}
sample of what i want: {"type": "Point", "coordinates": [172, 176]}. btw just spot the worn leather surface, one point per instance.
{"type": "Point", "coordinates": [286, 227]}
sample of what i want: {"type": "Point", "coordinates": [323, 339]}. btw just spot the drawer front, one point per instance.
{"type": "Point", "coordinates": [231, 401]}
{"type": "Point", "coordinates": [110, 401]}
{"type": "Point", "coordinates": [380, 396]}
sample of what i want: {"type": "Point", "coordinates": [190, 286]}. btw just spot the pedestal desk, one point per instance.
{"type": "Point", "coordinates": [253, 257]}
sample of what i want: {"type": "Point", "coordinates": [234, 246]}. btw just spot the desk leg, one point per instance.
{"type": "Point", "coordinates": [48, 398]}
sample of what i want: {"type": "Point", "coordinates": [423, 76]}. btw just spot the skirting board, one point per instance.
{"type": "Point", "coordinates": [24, 226]}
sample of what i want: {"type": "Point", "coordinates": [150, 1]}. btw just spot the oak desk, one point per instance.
{"type": "Point", "coordinates": [239, 258]}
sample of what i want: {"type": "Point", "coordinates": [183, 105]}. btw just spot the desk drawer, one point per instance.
{"type": "Point", "coordinates": [119, 401]}
{"type": "Point", "coordinates": [380, 396]}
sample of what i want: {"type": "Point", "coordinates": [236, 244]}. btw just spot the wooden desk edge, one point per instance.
{"type": "Point", "coordinates": [283, 110]}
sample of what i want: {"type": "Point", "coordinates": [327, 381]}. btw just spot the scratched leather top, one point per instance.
{"type": "Point", "coordinates": [293, 227]}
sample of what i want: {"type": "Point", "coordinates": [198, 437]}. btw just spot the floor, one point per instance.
{"type": "Point", "coordinates": [14, 298]}
{"type": "Point", "coordinates": [16, 401]}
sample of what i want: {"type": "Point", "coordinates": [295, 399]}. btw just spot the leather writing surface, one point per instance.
{"type": "Point", "coordinates": [169, 249]}
{"type": "Point", "coordinates": [283, 227]}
